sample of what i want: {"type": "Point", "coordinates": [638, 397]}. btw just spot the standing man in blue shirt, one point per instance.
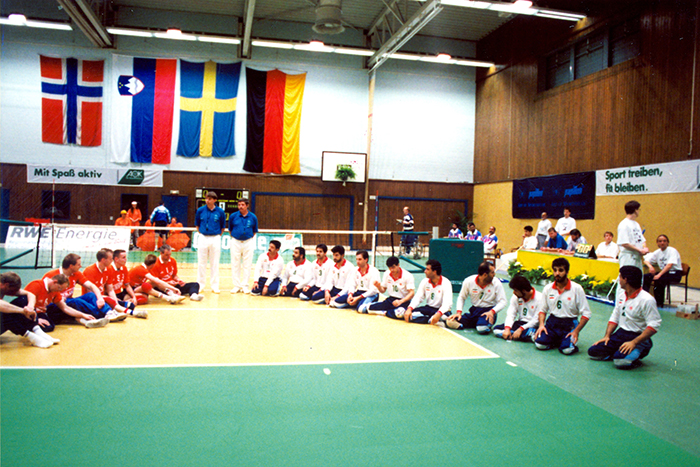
{"type": "Point", "coordinates": [210, 221]}
{"type": "Point", "coordinates": [160, 217]}
{"type": "Point", "coordinates": [243, 226]}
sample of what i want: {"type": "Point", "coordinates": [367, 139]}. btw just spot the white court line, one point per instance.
{"type": "Point", "coordinates": [224, 365]}
{"type": "Point", "coordinates": [492, 355]}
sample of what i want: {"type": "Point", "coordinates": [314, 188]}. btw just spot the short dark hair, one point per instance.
{"type": "Point", "coordinates": [302, 251]}
{"type": "Point", "coordinates": [609, 232]}
{"type": "Point", "coordinates": [71, 259]}
{"type": "Point", "coordinates": [118, 252]}
{"type": "Point", "coordinates": [471, 223]}
{"type": "Point", "coordinates": [528, 228]}
{"type": "Point", "coordinates": [392, 261]}
{"type": "Point", "coordinates": [164, 247]}
{"type": "Point", "coordinates": [150, 259]}
{"type": "Point", "coordinates": [631, 206]}
{"type": "Point", "coordinates": [575, 232]}
{"type": "Point", "coordinates": [484, 268]}
{"type": "Point", "coordinates": [212, 195]}
{"type": "Point", "coordinates": [323, 247]}
{"type": "Point", "coordinates": [665, 236]}
{"type": "Point", "coordinates": [434, 265]}
{"type": "Point", "coordinates": [60, 279]}
{"type": "Point", "coordinates": [362, 253]}
{"type": "Point", "coordinates": [277, 244]}
{"type": "Point", "coordinates": [633, 276]}
{"type": "Point", "coordinates": [561, 263]}
{"type": "Point", "coordinates": [520, 283]}
{"type": "Point", "coordinates": [340, 249]}
{"type": "Point", "coordinates": [551, 229]}
{"type": "Point", "coordinates": [244, 200]}
{"type": "Point", "coordinates": [12, 281]}
{"type": "Point", "coordinates": [103, 253]}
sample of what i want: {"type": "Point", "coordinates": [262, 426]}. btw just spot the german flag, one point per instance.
{"type": "Point", "coordinates": [274, 119]}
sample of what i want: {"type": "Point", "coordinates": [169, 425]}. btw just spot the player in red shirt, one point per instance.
{"type": "Point", "coordinates": [118, 288]}
{"type": "Point", "coordinates": [141, 281]}
{"type": "Point", "coordinates": [98, 274]}
{"type": "Point", "coordinates": [166, 270]}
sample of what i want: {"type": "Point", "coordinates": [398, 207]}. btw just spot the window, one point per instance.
{"type": "Point", "coordinates": [595, 52]}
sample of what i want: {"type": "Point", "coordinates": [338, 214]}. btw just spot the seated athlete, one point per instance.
{"type": "Point", "coordinates": [359, 292]}
{"type": "Point", "coordinates": [320, 270]}
{"type": "Point", "coordinates": [99, 275]}
{"type": "Point", "coordinates": [400, 287]}
{"type": "Point", "coordinates": [487, 298]}
{"type": "Point", "coordinates": [565, 310]}
{"type": "Point", "coordinates": [522, 315]}
{"type": "Point", "coordinates": [436, 291]}
{"type": "Point", "coordinates": [141, 281]}
{"type": "Point", "coordinates": [339, 274]}
{"type": "Point", "coordinates": [165, 269]}
{"type": "Point", "coordinates": [268, 271]}
{"type": "Point", "coordinates": [297, 275]}
{"type": "Point", "coordinates": [21, 320]}
{"type": "Point", "coordinates": [119, 289]}
{"type": "Point", "coordinates": [664, 266]}
{"type": "Point", "coordinates": [636, 319]}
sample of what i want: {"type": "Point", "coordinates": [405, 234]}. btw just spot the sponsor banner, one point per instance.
{"type": "Point", "coordinates": [262, 242]}
{"type": "Point", "coordinates": [67, 238]}
{"type": "Point", "coordinates": [532, 196]}
{"type": "Point", "coordinates": [674, 177]}
{"type": "Point", "coordinates": [77, 175]}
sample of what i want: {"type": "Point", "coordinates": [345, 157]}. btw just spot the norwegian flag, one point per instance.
{"type": "Point", "coordinates": [71, 101]}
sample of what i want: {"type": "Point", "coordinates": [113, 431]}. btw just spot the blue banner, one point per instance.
{"type": "Point", "coordinates": [532, 196]}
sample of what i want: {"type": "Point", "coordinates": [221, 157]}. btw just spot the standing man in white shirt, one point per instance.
{"type": "Point", "coordinates": [542, 227]}
{"type": "Point", "coordinates": [297, 275]}
{"type": "Point", "coordinates": [668, 268]}
{"type": "Point", "coordinates": [210, 221]}
{"type": "Point", "coordinates": [487, 298]}
{"type": "Point", "coordinates": [436, 291]}
{"type": "Point", "coordinates": [268, 271]}
{"type": "Point", "coordinates": [630, 238]}
{"type": "Point", "coordinates": [636, 318]}
{"type": "Point", "coordinates": [565, 224]}
{"type": "Point", "coordinates": [399, 285]}
{"type": "Point", "coordinates": [607, 249]}
{"type": "Point", "coordinates": [564, 314]}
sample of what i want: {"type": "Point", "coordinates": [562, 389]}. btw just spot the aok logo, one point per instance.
{"type": "Point", "coordinates": [133, 177]}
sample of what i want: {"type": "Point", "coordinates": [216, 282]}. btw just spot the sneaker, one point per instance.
{"type": "Point", "coordinates": [216, 291]}
{"type": "Point", "coordinates": [140, 314]}
{"type": "Point", "coordinates": [399, 312]}
{"type": "Point", "coordinates": [453, 324]}
{"type": "Point", "coordinates": [196, 297]}
{"type": "Point", "coordinates": [236, 290]}
{"type": "Point", "coordinates": [363, 309]}
{"type": "Point", "coordinates": [95, 323]}
{"type": "Point", "coordinates": [246, 289]}
{"type": "Point", "coordinates": [114, 316]}
{"type": "Point", "coordinates": [175, 299]}
{"type": "Point", "coordinates": [378, 312]}
{"type": "Point", "coordinates": [440, 324]}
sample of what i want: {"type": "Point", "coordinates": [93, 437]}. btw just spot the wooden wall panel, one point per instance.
{"type": "Point", "coordinates": [635, 113]}
{"type": "Point", "coordinates": [328, 207]}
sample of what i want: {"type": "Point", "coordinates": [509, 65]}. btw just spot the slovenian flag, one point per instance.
{"type": "Point", "coordinates": [274, 120]}
{"type": "Point", "coordinates": [71, 101]}
{"type": "Point", "coordinates": [208, 94]}
{"type": "Point", "coordinates": [143, 97]}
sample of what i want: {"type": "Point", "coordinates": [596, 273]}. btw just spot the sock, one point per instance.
{"type": "Point", "coordinates": [37, 340]}
{"type": "Point", "coordinates": [40, 332]}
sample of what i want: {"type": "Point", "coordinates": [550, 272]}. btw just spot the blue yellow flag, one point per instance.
{"type": "Point", "coordinates": [208, 94]}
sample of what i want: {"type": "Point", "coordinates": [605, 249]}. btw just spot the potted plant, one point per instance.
{"type": "Point", "coordinates": [344, 172]}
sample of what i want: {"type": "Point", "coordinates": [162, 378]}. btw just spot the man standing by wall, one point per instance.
{"type": "Point", "coordinates": [134, 216]}
{"type": "Point", "coordinates": [210, 221]}
{"type": "Point", "coordinates": [630, 238]}
{"type": "Point", "coordinates": [408, 226]}
{"type": "Point", "coordinates": [160, 217]}
{"type": "Point", "coordinates": [243, 226]}
{"type": "Point", "coordinates": [542, 228]}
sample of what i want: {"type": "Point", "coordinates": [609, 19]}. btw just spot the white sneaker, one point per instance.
{"type": "Point", "coordinates": [399, 312]}
{"type": "Point", "coordinates": [235, 290]}
{"type": "Point", "coordinates": [140, 314]}
{"type": "Point", "coordinates": [115, 316]}
{"type": "Point", "coordinates": [95, 323]}
{"type": "Point", "coordinates": [453, 324]}
{"type": "Point", "coordinates": [216, 291]}
{"type": "Point", "coordinates": [175, 299]}
{"type": "Point", "coordinates": [246, 289]}
{"type": "Point", "coordinates": [196, 297]}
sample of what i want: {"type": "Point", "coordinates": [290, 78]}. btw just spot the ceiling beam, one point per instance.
{"type": "Point", "coordinates": [249, 16]}
{"type": "Point", "coordinates": [84, 16]}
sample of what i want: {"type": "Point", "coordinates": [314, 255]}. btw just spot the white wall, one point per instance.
{"type": "Point", "coordinates": [423, 125]}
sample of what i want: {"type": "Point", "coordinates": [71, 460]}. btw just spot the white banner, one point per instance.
{"type": "Point", "coordinates": [67, 238]}
{"type": "Point", "coordinates": [674, 177]}
{"type": "Point", "coordinates": [93, 176]}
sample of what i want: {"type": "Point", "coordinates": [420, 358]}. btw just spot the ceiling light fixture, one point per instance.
{"type": "Point", "coordinates": [17, 19]}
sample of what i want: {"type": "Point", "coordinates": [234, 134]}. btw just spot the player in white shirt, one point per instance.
{"type": "Point", "coordinates": [522, 317]}
{"type": "Point", "coordinates": [360, 291]}
{"type": "Point", "coordinates": [436, 290]}
{"type": "Point", "coordinates": [268, 270]}
{"type": "Point", "coordinates": [607, 249]}
{"type": "Point", "coordinates": [529, 243]}
{"type": "Point", "coordinates": [630, 238]}
{"type": "Point", "coordinates": [565, 310]}
{"type": "Point", "coordinates": [636, 318]}
{"type": "Point", "coordinates": [668, 268]}
{"type": "Point", "coordinates": [297, 274]}
{"type": "Point", "coordinates": [320, 270]}
{"type": "Point", "coordinates": [487, 298]}
{"type": "Point", "coordinates": [542, 229]}
{"type": "Point", "coordinates": [565, 224]}
{"type": "Point", "coordinates": [338, 275]}
{"type": "Point", "coordinates": [400, 287]}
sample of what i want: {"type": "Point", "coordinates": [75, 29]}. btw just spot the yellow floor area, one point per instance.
{"type": "Point", "coordinates": [241, 329]}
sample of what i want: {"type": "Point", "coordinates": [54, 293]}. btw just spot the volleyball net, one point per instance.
{"type": "Point", "coordinates": [27, 245]}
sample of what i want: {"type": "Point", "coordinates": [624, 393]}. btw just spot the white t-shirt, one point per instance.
{"type": "Point", "coordinates": [636, 312]}
{"type": "Point", "coordinates": [565, 224]}
{"type": "Point", "coordinates": [662, 258]}
{"type": "Point", "coordinates": [492, 296]}
{"type": "Point", "coordinates": [438, 296]}
{"type": "Point", "coordinates": [610, 251]}
{"type": "Point", "coordinates": [299, 274]}
{"type": "Point", "coordinates": [530, 243]}
{"type": "Point", "coordinates": [571, 303]}
{"type": "Point", "coordinates": [520, 310]}
{"type": "Point", "coordinates": [630, 232]}
{"type": "Point", "coordinates": [398, 287]}
{"type": "Point", "coordinates": [543, 227]}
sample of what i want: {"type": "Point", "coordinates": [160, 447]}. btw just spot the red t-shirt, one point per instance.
{"type": "Point", "coordinates": [97, 277]}
{"type": "Point", "coordinates": [40, 288]}
{"type": "Point", "coordinates": [78, 277]}
{"type": "Point", "coordinates": [118, 277]}
{"type": "Point", "coordinates": [165, 271]}
{"type": "Point", "coordinates": [137, 275]}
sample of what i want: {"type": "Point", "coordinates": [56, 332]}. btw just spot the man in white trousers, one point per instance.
{"type": "Point", "coordinates": [210, 221]}
{"type": "Point", "coordinates": [243, 226]}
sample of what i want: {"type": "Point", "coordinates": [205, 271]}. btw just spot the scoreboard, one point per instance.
{"type": "Point", "coordinates": [227, 198]}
